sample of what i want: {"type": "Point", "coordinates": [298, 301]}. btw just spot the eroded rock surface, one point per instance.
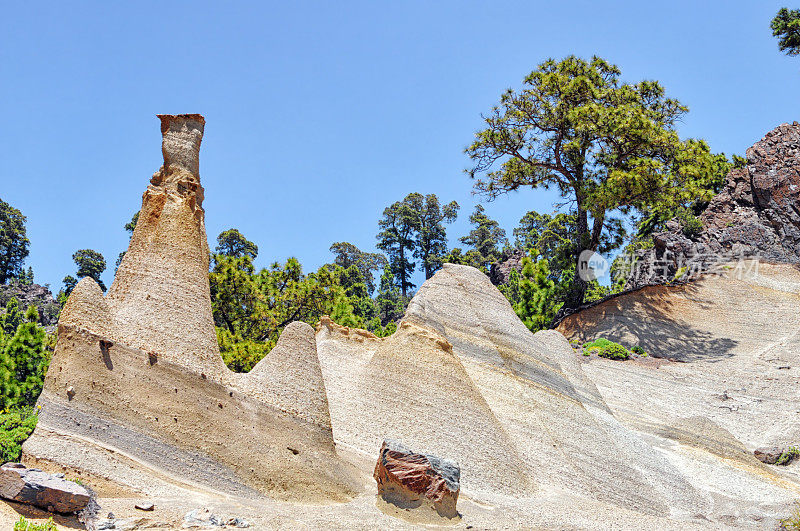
{"type": "Point", "coordinates": [138, 372]}
{"type": "Point", "coordinates": [409, 479]}
{"type": "Point", "coordinates": [755, 215]}
{"type": "Point", "coordinates": [46, 491]}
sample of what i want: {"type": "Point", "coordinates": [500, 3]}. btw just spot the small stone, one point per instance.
{"type": "Point", "coordinates": [144, 506]}
{"type": "Point", "coordinates": [70, 392]}
{"type": "Point", "coordinates": [768, 455]}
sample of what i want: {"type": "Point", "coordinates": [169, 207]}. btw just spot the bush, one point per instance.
{"type": "Point", "coordinates": [615, 351]}
{"type": "Point", "coordinates": [690, 225]}
{"type": "Point", "coordinates": [24, 525]}
{"type": "Point", "coordinates": [639, 350]}
{"type": "Point", "coordinates": [788, 456]}
{"type": "Point", "coordinates": [15, 427]}
{"type": "Point", "coordinates": [607, 349]}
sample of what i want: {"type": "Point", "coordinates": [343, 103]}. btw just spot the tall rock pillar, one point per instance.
{"type": "Point", "coordinates": [160, 296]}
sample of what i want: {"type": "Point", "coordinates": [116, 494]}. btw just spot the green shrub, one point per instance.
{"type": "Point", "coordinates": [690, 224]}
{"type": "Point", "coordinates": [607, 349]}
{"type": "Point", "coordinates": [15, 427]}
{"type": "Point", "coordinates": [639, 350]}
{"type": "Point", "coordinates": [788, 456]}
{"type": "Point", "coordinates": [24, 525]}
{"type": "Point", "coordinates": [615, 351]}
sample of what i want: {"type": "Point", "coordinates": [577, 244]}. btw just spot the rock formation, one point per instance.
{"type": "Point", "coordinates": [408, 479]}
{"type": "Point", "coordinates": [139, 371]}
{"type": "Point", "coordinates": [46, 491]}
{"type": "Point", "coordinates": [137, 397]}
{"type": "Point", "coordinates": [500, 271]}
{"type": "Point", "coordinates": [30, 294]}
{"type": "Point", "coordinates": [755, 215]}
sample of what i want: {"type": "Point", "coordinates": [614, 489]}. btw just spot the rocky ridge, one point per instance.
{"type": "Point", "coordinates": [755, 215]}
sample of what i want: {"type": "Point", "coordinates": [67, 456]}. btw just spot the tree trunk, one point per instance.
{"type": "Point", "coordinates": [403, 271]}
{"type": "Point", "coordinates": [577, 291]}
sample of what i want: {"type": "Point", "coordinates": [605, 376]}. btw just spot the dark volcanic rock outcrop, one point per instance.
{"type": "Point", "coordinates": [500, 271]}
{"type": "Point", "coordinates": [757, 214]}
{"type": "Point", "coordinates": [27, 294]}
{"type": "Point", "coordinates": [408, 479]}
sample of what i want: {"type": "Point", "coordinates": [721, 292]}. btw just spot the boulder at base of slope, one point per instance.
{"type": "Point", "coordinates": [34, 487]}
{"type": "Point", "coordinates": [409, 479]}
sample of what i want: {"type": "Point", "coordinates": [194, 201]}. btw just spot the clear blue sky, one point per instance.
{"type": "Point", "coordinates": [320, 114]}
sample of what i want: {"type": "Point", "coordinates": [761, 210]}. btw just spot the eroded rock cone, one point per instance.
{"type": "Point", "coordinates": [409, 479]}
{"type": "Point", "coordinates": [34, 487]}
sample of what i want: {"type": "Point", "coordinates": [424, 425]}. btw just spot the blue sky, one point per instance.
{"type": "Point", "coordinates": [320, 114]}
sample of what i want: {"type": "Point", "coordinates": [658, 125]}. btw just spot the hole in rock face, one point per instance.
{"type": "Point", "coordinates": [293, 450]}
{"type": "Point", "coordinates": [105, 346]}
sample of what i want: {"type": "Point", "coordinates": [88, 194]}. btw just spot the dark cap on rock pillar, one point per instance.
{"type": "Point", "coordinates": [181, 137]}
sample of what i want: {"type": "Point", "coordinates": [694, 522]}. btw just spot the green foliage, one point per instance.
{"type": "Point", "coordinates": [396, 238]}
{"type": "Point", "coordinates": [535, 302]}
{"type": "Point", "coordinates": [604, 144]}
{"type": "Point", "coordinates": [232, 243]}
{"type": "Point", "coordinates": [691, 226]}
{"type": "Point", "coordinates": [16, 426]}
{"type": "Point", "coordinates": [431, 237]}
{"type": "Point", "coordinates": [23, 363]}
{"type": "Point", "coordinates": [786, 26]}
{"type": "Point", "coordinates": [486, 239]}
{"type": "Point", "coordinates": [24, 525]}
{"type": "Point", "coordinates": [131, 225]}
{"type": "Point", "coordinates": [241, 354]}
{"type": "Point", "coordinates": [788, 455]}
{"type": "Point", "coordinates": [14, 242]}
{"type": "Point", "coordinates": [639, 350]}
{"type": "Point", "coordinates": [129, 228]}
{"type": "Point", "coordinates": [90, 264]}
{"type": "Point", "coordinates": [252, 308]}
{"type": "Point", "coordinates": [390, 302]}
{"type": "Point", "coordinates": [607, 349]}
{"type": "Point", "coordinates": [346, 255]}
{"type": "Point", "coordinates": [10, 320]}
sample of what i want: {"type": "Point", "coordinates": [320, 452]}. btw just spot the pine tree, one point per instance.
{"type": "Point", "coordinates": [346, 254]}
{"type": "Point", "coordinates": [90, 264]}
{"type": "Point", "coordinates": [786, 26]}
{"type": "Point", "coordinates": [605, 144]}
{"type": "Point", "coordinates": [396, 239]}
{"type": "Point", "coordinates": [391, 303]}
{"type": "Point", "coordinates": [23, 363]}
{"type": "Point", "coordinates": [431, 239]}
{"type": "Point", "coordinates": [10, 320]}
{"type": "Point", "coordinates": [486, 240]}
{"type": "Point", "coordinates": [536, 294]}
{"type": "Point", "coordinates": [14, 242]}
{"type": "Point", "coordinates": [233, 243]}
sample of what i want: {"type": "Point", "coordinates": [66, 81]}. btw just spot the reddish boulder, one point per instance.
{"type": "Point", "coordinates": [768, 455]}
{"type": "Point", "coordinates": [34, 487]}
{"type": "Point", "coordinates": [409, 479]}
